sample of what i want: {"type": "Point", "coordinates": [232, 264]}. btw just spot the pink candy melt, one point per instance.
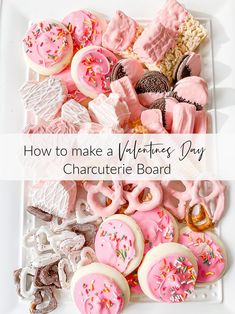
{"type": "Point", "coordinates": [115, 244]}
{"type": "Point", "coordinates": [95, 69]}
{"type": "Point", "coordinates": [84, 28]}
{"type": "Point", "coordinates": [120, 32]}
{"type": "Point", "coordinates": [172, 279]}
{"type": "Point", "coordinates": [156, 226]}
{"type": "Point", "coordinates": [209, 255]}
{"type": "Point", "coordinates": [46, 43]}
{"type": "Point", "coordinates": [154, 43]}
{"type": "Point", "coordinates": [172, 15]}
{"type": "Point", "coordinates": [96, 293]}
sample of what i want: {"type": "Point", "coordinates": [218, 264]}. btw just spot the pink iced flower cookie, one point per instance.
{"type": "Point", "coordinates": [209, 251]}
{"type": "Point", "coordinates": [48, 47]}
{"type": "Point", "coordinates": [168, 273]}
{"type": "Point", "coordinates": [169, 36]}
{"type": "Point", "coordinates": [91, 70]}
{"type": "Point", "coordinates": [85, 27]}
{"type": "Point", "coordinates": [158, 226]}
{"type": "Point", "coordinates": [99, 288]}
{"type": "Point", "coordinates": [121, 33]}
{"type": "Point", "coordinates": [119, 243]}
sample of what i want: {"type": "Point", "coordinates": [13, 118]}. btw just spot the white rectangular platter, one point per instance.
{"type": "Point", "coordinates": [15, 16]}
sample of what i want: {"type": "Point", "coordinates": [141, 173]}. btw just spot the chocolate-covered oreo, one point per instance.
{"type": "Point", "coordinates": [166, 105]}
{"type": "Point", "coordinates": [118, 72]}
{"type": "Point", "coordinates": [127, 67]}
{"type": "Point", "coordinates": [152, 82]}
{"type": "Point", "coordinates": [188, 65]}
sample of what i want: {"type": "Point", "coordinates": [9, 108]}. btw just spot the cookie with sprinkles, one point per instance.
{"type": "Point", "coordinates": [209, 251]}
{"type": "Point", "coordinates": [48, 47]}
{"type": "Point", "coordinates": [158, 226]}
{"type": "Point", "coordinates": [91, 70]}
{"type": "Point", "coordinates": [86, 28]}
{"type": "Point", "coordinates": [99, 288]}
{"type": "Point", "coordinates": [168, 273]}
{"type": "Point", "coordinates": [119, 243]}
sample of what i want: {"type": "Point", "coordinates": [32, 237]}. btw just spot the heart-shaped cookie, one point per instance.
{"type": "Point", "coordinates": [55, 197]}
{"type": "Point", "coordinates": [44, 98]}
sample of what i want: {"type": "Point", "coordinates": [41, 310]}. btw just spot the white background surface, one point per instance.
{"type": "Point", "coordinates": [14, 21]}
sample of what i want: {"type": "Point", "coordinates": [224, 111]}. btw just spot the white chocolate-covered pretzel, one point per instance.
{"type": "Point", "coordinates": [87, 257]}
{"type": "Point", "coordinates": [25, 291]}
{"type": "Point", "coordinates": [84, 213]}
{"type": "Point", "coordinates": [64, 271]}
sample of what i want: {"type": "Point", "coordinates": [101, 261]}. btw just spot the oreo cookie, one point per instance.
{"type": "Point", "coordinates": [118, 72]}
{"type": "Point", "coordinates": [188, 65]}
{"type": "Point", "coordinates": [152, 82]}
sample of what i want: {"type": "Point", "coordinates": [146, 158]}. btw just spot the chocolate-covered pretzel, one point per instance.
{"type": "Point", "coordinates": [41, 296]}
{"type": "Point", "coordinates": [37, 212]}
{"type": "Point", "coordinates": [47, 276]}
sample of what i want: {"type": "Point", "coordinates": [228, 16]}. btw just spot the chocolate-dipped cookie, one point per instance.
{"type": "Point", "coordinates": [153, 81]}
{"type": "Point", "coordinates": [127, 67]}
{"type": "Point", "coordinates": [166, 105]}
{"type": "Point", "coordinates": [188, 65]}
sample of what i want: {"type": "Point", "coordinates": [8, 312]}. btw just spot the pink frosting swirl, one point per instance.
{"type": "Point", "coordinates": [94, 69]}
{"type": "Point", "coordinates": [85, 28]}
{"type": "Point", "coordinates": [172, 279]}
{"type": "Point", "coordinates": [157, 227]}
{"type": "Point", "coordinates": [115, 244]}
{"type": "Point", "coordinates": [210, 257]}
{"type": "Point", "coordinates": [96, 293]}
{"type": "Point", "coordinates": [46, 43]}
{"type": "Point", "coordinates": [60, 126]}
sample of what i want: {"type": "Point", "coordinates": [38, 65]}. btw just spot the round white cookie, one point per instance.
{"type": "Point", "coordinates": [168, 273]}
{"type": "Point", "coordinates": [210, 252]}
{"type": "Point", "coordinates": [120, 243]}
{"type": "Point", "coordinates": [48, 47]}
{"type": "Point", "coordinates": [96, 282]}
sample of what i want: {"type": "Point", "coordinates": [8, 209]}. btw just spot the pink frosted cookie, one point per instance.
{"type": "Point", "coordinates": [124, 88]}
{"type": "Point", "coordinates": [121, 33]}
{"type": "Point", "coordinates": [44, 98]}
{"type": "Point", "coordinates": [99, 288]}
{"type": "Point", "coordinates": [75, 113]}
{"type": "Point", "coordinates": [209, 251]}
{"type": "Point", "coordinates": [128, 67]}
{"type": "Point", "coordinates": [54, 197]}
{"type": "Point", "coordinates": [169, 36]}
{"type": "Point", "coordinates": [85, 27]}
{"type": "Point", "coordinates": [66, 77]}
{"type": "Point", "coordinates": [61, 126]}
{"type": "Point", "coordinates": [91, 70]}
{"type": "Point", "coordinates": [168, 273]}
{"type": "Point", "coordinates": [193, 90]}
{"type": "Point", "coordinates": [158, 226]}
{"type": "Point", "coordinates": [119, 243]}
{"type": "Point", "coordinates": [48, 47]}
{"type": "Point", "coordinates": [109, 111]}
